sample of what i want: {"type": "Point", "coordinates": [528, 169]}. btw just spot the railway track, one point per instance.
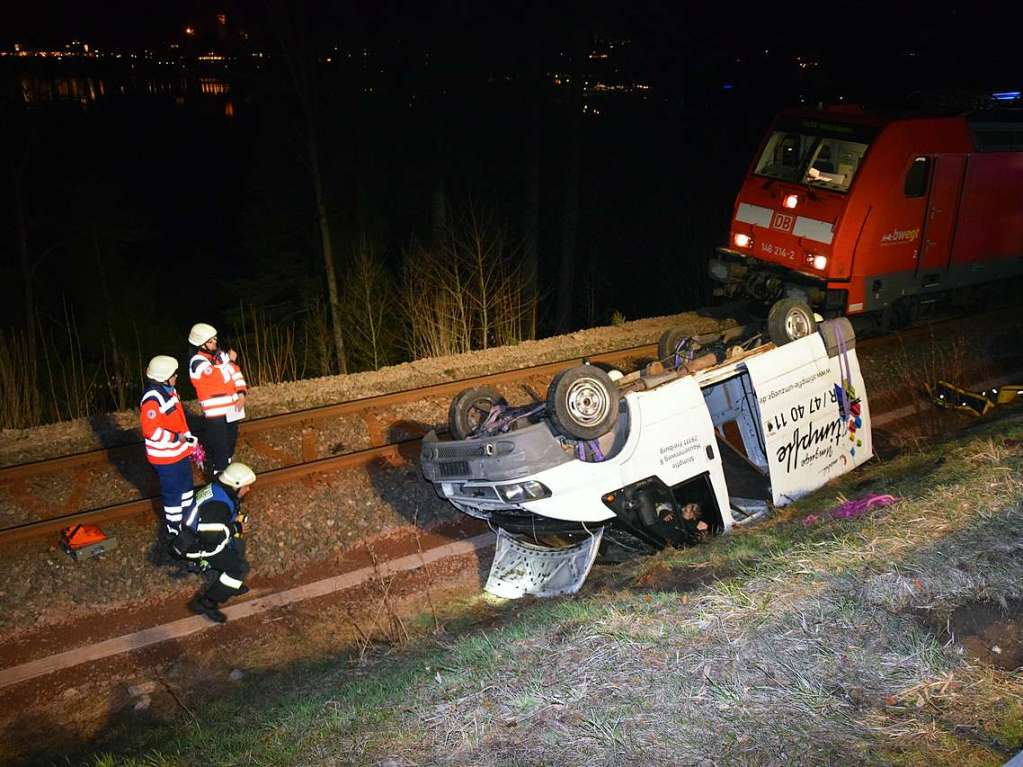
{"type": "Point", "coordinates": [885, 411]}
{"type": "Point", "coordinates": [14, 479]}
{"type": "Point", "coordinates": [308, 457]}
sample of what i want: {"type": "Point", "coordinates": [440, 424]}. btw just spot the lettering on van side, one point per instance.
{"type": "Point", "coordinates": [680, 453]}
{"type": "Point", "coordinates": [804, 447]}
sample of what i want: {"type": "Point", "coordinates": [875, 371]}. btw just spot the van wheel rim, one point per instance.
{"type": "Point", "coordinates": [587, 401]}
{"type": "Point", "coordinates": [797, 325]}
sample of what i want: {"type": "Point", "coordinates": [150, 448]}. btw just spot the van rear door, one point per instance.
{"type": "Point", "coordinates": [809, 441]}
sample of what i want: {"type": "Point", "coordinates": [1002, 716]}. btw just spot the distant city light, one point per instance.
{"type": "Point", "coordinates": [190, 31]}
{"type": "Point", "coordinates": [1006, 95]}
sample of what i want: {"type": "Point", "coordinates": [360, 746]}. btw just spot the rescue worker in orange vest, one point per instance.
{"type": "Point", "coordinates": [220, 387]}
{"type": "Point", "coordinates": [211, 537]}
{"type": "Point", "coordinates": [169, 443]}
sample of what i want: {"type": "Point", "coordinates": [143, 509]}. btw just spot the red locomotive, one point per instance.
{"type": "Point", "coordinates": [849, 212]}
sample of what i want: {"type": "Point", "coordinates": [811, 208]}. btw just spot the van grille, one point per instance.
{"type": "Point", "coordinates": [454, 469]}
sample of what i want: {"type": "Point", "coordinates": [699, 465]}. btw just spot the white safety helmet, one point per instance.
{"type": "Point", "coordinates": [237, 476]}
{"type": "Point", "coordinates": [161, 368]}
{"type": "Point", "coordinates": [201, 333]}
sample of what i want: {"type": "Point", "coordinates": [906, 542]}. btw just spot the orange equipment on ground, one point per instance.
{"type": "Point", "coordinates": [85, 541]}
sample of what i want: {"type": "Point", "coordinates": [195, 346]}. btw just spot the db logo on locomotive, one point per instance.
{"type": "Point", "coordinates": [782, 221]}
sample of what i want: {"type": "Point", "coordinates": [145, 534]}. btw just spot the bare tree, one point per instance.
{"type": "Point", "coordinates": [368, 303]}
{"type": "Point", "coordinates": [531, 223]}
{"type": "Point", "coordinates": [466, 291]}
{"type": "Point", "coordinates": [300, 62]}
{"type": "Point", "coordinates": [27, 267]}
{"type": "Point", "coordinates": [570, 213]}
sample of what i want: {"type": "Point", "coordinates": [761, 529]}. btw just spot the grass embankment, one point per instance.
{"type": "Point", "coordinates": [788, 643]}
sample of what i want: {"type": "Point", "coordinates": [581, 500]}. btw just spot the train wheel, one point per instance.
{"type": "Point", "coordinates": [789, 320]}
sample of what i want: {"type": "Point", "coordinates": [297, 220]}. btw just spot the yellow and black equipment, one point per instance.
{"type": "Point", "coordinates": [943, 394]}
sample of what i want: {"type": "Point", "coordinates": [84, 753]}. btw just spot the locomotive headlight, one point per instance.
{"type": "Point", "coordinates": [791, 201]}
{"type": "Point", "coordinates": [820, 263]}
{"type": "Point", "coordinates": [742, 240]}
{"type": "Point", "coordinates": [531, 490]}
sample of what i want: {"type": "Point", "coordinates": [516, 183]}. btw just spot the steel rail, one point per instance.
{"type": "Point", "coordinates": [391, 452]}
{"type": "Point", "coordinates": [394, 452]}
{"type": "Point", "coordinates": [23, 471]}
{"type": "Point", "coordinates": [397, 451]}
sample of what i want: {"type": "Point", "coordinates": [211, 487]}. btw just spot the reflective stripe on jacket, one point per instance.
{"type": "Point", "coordinates": [217, 382]}
{"type": "Point", "coordinates": [212, 518]}
{"type": "Point", "coordinates": [163, 424]}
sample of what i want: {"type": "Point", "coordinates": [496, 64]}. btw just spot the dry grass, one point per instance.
{"type": "Point", "coordinates": [813, 655]}
{"type": "Point", "coordinates": [810, 648]}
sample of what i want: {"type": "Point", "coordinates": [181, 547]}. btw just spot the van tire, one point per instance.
{"type": "Point", "coordinates": [789, 320]}
{"type": "Point", "coordinates": [582, 402]}
{"type": "Point", "coordinates": [668, 343]}
{"type": "Point", "coordinates": [829, 334]}
{"type": "Point", "coordinates": [470, 408]}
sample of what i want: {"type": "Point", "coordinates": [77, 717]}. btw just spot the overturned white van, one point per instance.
{"type": "Point", "coordinates": [710, 437]}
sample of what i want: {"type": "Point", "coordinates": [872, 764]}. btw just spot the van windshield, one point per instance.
{"type": "Point", "coordinates": [818, 158]}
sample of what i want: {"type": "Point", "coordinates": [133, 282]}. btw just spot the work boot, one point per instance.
{"type": "Point", "coordinates": [207, 608]}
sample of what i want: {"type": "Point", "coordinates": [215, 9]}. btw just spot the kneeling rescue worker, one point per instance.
{"type": "Point", "coordinates": [211, 537]}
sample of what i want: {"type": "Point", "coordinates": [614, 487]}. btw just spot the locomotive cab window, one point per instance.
{"type": "Point", "coordinates": [916, 177]}
{"type": "Point", "coordinates": [818, 154]}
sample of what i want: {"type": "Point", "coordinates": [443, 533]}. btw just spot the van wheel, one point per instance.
{"type": "Point", "coordinates": [470, 408]}
{"type": "Point", "coordinates": [668, 343]}
{"type": "Point", "coordinates": [789, 320]}
{"type": "Point", "coordinates": [829, 330]}
{"type": "Point", "coordinates": [582, 402]}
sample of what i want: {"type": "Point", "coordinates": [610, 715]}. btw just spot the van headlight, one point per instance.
{"type": "Point", "coordinates": [517, 492]}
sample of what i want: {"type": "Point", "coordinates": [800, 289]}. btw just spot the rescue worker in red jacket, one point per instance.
{"type": "Point", "coordinates": [220, 387]}
{"type": "Point", "coordinates": [211, 537]}
{"type": "Point", "coordinates": [169, 443]}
